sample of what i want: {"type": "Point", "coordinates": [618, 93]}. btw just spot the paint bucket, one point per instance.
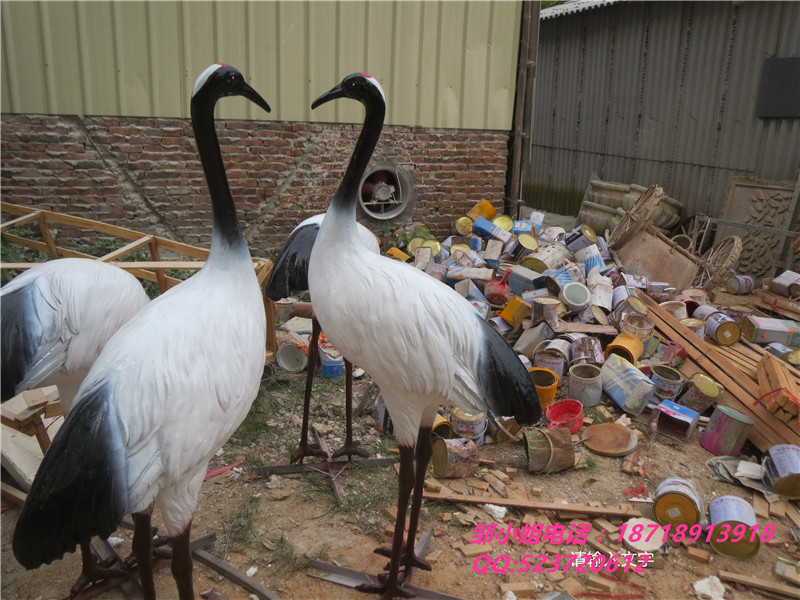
{"type": "Point", "coordinates": [626, 385]}
{"type": "Point", "coordinates": [668, 381]}
{"type": "Point", "coordinates": [704, 311]}
{"type": "Point", "coordinates": [549, 450]}
{"type": "Point", "coordinates": [586, 384]}
{"type": "Point", "coordinates": [620, 293]}
{"type": "Point", "coordinates": [497, 292]}
{"type": "Point", "coordinates": [565, 413]}
{"type": "Point", "coordinates": [722, 329]}
{"type": "Point", "coordinates": [587, 350]}
{"type": "Point", "coordinates": [580, 237]}
{"type": "Point", "coordinates": [503, 222]}
{"type": "Point", "coordinates": [726, 431]}
{"type": "Point", "coordinates": [691, 304]}
{"type": "Point", "coordinates": [546, 308]}
{"type": "Point", "coordinates": [437, 271]}
{"type": "Point", "coordinates": [740, 284]}
{"type": "Point", "coordinates": [587, 253]}
{"type": "Point", "coordinates": [626, 346]}
{"type": "Point", "coordinates": [733, 511]}
{"type": "Point", "coordinates": [551, 256]}
{"type": "Point", "coordinates": [546, 382]}
{"type": "Point", "coordinates": [454, 458]}
{"type": "Point", "coordinates": [532, 338]}
{"type": "Point", "coordinates": [676, 502]}
{"type": "Point", "coordinates": [699, 295]}
{"type": "Point", "coordinates": [575, 296]}
{"type": "Point", "coordinates": [637, 325]}
{"type": "Point", "coordinates": [483, 208]}
{"type": "Point", "coordinates": [283, 309]}
{"type": "Point", "coordinates": [631, 304]}
{"type": "Point", "coordinates": [468, 426]}
{"type": "Point", "coordinates": [602, 296]}
{"type": "Point", "coordinates": [738, 312]}
{"type": "Point", "coordinates": [554, 355]}
{"type": "Point", "coordinates": [701, 393]}
{"type": "Point", "coordinates": [567, 273]}
{"type": "Point", "coordinates": [696, 326]}
{"type": "Point", "coordinates": [782, 470]}
{"type": "Point", "coordinates": [442, 427]}
{"type": "Point", "coordinates": [516, 311]}
{"type": "Point", "coordinates": [676, 308]}
{"type": "Point", "coordinates": [291, 357]}
{"type": "Point", "coordinates": [463, 225]}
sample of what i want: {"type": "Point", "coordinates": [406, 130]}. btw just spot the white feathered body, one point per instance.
{"type": "Point", "coordinates": [386, 316]}
{"type": "Point", "coordinates": [58, 316]}
{"type": "Point", "coordinates": [176, 405]}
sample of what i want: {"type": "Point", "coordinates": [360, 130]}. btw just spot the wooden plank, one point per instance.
{"type": "Point", "coordinates": [49, 241]}
{"type": "Point", "coordinates": [156, 256]}
{"type": "Point", "coordinates": [12, 494]}
{"type": "Point", "coordinates": [127, 248]}
{"type": "Point", "coordinates": [19, 221]}
{"type": "Point", "coordinates": [761, 584]}
{"type": "Point", "coordinates": [524, 504]}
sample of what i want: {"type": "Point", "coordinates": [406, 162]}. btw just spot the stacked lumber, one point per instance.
{"type": "Point", "coordinates": [734, 369]}
{"type": "Point", "coordinates": [780, 305]}
{"type": "Point", "coordinates": [780, 393]}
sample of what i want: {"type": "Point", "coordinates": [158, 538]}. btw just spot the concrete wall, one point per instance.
{"type": "Point", "coordinates": [144, 173]}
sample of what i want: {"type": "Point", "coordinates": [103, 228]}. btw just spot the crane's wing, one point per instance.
{"type": "Point", "coordinates": [291, 267]}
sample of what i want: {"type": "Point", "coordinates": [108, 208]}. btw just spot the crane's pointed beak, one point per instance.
{"type": "Point", "coordinates": [332, 94]}
{"type": "Point", "coordinates": [252, 95]}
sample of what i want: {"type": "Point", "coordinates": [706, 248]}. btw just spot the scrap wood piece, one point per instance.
{"type": "Point", "coordinates": [523, 504]}
{"type": "Point", "coordinates": [224, 468]}
{"type": "Point", "coordinates": [761, 584]}
{"type": "Point", "coordinates": [12, 494]}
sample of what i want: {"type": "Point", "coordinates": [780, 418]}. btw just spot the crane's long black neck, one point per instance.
{"type": "Point", "coordinates": [347, 193]}
{"type": "Point", "coordinates": [225, 229]}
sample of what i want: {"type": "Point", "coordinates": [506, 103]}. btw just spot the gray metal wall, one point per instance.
{"type": "Point", "coordinates": [444, 64]}
{"type": "Point", "coordinates": [659, 92]}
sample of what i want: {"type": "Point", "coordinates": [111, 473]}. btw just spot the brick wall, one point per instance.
{"type": "Point", "coordinates": [144, 173]}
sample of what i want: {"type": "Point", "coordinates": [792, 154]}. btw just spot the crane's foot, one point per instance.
{"type": "Point", "coordinates": [306, 450]}
{"type": "Point", "coordinates": [94, 571]}
{"type": "Point", "coordinates": [159, 541]}
{"type": "Point", "coordinates": [410, 560]}
{"type": "Point", "coordinates": [387, 591]}
{"type": "Point", "coordinates": [349, 449]}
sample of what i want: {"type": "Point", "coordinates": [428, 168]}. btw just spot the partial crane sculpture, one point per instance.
{"type": "Point", "coordinates": [55, 319]}
{"type": "Point", "coordinates": [290, 274]}
{"type": "Point", "coordinates": [166, 393]}
{"type": "Point", "coordinates": [420, 341]}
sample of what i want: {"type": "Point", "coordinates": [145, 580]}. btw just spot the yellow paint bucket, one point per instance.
{"type": "Point", "coordinates": [627, 346]}
{"type": "Point", "coordinates": [546, 382]}
{"type": "Point", "coordinates": [442, 427]}
{"type": "Point", "coordinates": [483, 208]}
{"type": "Point", "coordinates": [676, 501]}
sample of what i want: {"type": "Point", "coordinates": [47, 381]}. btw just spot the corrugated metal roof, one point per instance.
{"type": "Point", "coordinates": [573, 6]}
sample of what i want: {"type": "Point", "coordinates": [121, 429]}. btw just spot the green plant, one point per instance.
{"type": "Point", "coordinates": [238, 529]}
{"type": "Point", "coordinates": [11, 252]}
{"type": "Point", "coordinates": [285, 560]}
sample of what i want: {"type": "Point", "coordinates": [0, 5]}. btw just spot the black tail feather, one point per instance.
{"type": "Point", "coordinates": [79, 490]}
{"type": "Point", "coordinates": [504, 380]}
{"type": "Point", "coordinates": [18, 347]}
{"type": "Point", "coordinates": [290, 272]}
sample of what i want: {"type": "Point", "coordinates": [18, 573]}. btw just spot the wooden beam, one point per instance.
{"type": "Point", "coordinates": [19, 221]}
{"type": "Point", "coordinates": [126, 249]}
{"type": "Point", "coordinates": [524, 504]}
{"type": "Point", "coordinates": [761, 584]}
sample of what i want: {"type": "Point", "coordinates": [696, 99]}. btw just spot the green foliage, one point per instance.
{"type": "Point", "coordinates": [14, 253]}
{"type": "Point", "coordinates": [238, 528]}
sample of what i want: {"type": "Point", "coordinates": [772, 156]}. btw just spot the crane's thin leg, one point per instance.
{"type": "Point", "coordinates": [182, 564]}
{"type": "Point", "coordinates": [424, 451]}
{"type": "Point", "coordinates": [92, 570]}
{"type": "Point", "coordinates": [143, 551]}
{"type": "Point", "coordinates": [389, 588]}
{"type": "Point", "coordinates": [306, 449]}
{"type": "Point", "coordinates": [350, 447]}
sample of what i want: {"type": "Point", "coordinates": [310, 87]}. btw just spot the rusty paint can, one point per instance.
{"type": "Point", "coordinates": [468, 426]}
{"type": "Point", "coordinates": [585, 383]}
{"type": "Point", "coordinates": [726, 431]}
{"type": "Point", "coordinates": [620, 293]}
{"type": "Point", "coordinates": [733, 511]}
{"type": "Point", "coordinates": [738, 312]}
{"type": "Point", "coordinates": [676, 501]}
{"type": "Point", "coordinates": [701, 392]}
{"type": "Point", "coordinates": [483, 208]}
{"type": "Point", "coordinates": [782, 470]}
{"type": "Point", "coordinates": [553, 354]}
{"type": "Point", "coordinates": [637, 325]}
{"type": "Point", "coordinates": [551, 256]}
{"type": "Point", "coordinates": [696, 326]}
{"type": "Point", "coordinates": [676, 308]}
{"type": "Point", "coordinates": [722, 329]}
{"type": "Point", "coordinates": [629, 305]}
{"type": "Point", "coordinates": [580, 237]}
{"type": "Point", "coordinates": [740, 284]}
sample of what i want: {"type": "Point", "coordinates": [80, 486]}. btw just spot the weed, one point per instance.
{"type": "Point", "coordinates": [238, 529]}
{"type": "Point", "coordinates": [285, 560]}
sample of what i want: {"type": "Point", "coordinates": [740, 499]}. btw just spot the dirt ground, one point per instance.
{"type": "Point", "coordinates": [277, 524]}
